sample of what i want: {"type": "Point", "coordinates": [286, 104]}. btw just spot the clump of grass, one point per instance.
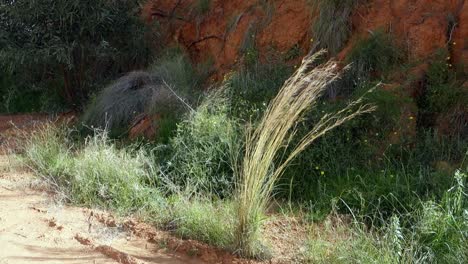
{"type": "Point", "coordinates": [167, 89]}
{"type": "Point", "coordinates": [203, 148]}
{"type": "Point", "coordinates": [436, 233]}
{"type": "Point", "coordinates": [108, 177]}
{"type": "Point", "coordinates": [333, 26]}
{"type": "Point", "coordinates": [258, 175]}
{"type": "Point", "coordinates": [205, 220]}
{"type": "Point", "coordinates": [120, 102]}
{"type": "Point", "coordinates": [96, 173]}
{"type": "Point", "coordinates": [48, 151]}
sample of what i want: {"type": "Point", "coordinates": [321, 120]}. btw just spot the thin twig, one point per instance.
{"type": "Point", "coordinates": [178, 97]}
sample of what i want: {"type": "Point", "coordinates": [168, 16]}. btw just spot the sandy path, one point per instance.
{"type": "Point", "coordinates": [36, 229]}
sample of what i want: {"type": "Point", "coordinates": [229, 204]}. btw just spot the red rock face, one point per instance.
{"type": "Point", "coordinates": [420, 25]}
{"type": "Point", "coordinates": [460, 36]}
{"type": "Point", "coordinates": [219, 33]}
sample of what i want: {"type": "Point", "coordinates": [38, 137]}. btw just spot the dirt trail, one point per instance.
{"type": "Point", "coordinates": [34, 228]}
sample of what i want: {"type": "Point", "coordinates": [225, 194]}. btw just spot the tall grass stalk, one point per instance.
{"type": "Point", "coordinates": [275, 131]}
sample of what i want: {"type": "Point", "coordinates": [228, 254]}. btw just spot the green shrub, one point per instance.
{"type": "Point", "coordinates": [203, 148]}
{"type": "Point", "coordinates": [251, 88]}
{"type": "Point", "coordinates": [443, 93]}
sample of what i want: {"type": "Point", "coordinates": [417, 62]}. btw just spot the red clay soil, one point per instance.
{"type": "Point", "coordinates": [8, 122]}
{"type": "Point", "coordinates": [422, 26]}
{"type": "Point", "coordinates": [220, 33]}
{"type": "Point", "coordinates": [15, 127]}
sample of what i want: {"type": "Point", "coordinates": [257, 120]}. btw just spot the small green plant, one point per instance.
{"type": "Point", "coordinates": [251, 88]}
{"type": "Point", "coordinates": [202, 6]}
{"type": "Point", "coordinates": [48, 152]}
{"type": "Point", "coordinates": [374, 56]}
{"type": "Point", "coordinates": [258, 174]}
{"type": "Point", "coordinates": [443, 86]}
{"type": "Point", "coordinates": [205, 220]}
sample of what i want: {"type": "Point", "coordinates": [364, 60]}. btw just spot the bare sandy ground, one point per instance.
{"type": "Point", "coordinates": [34, 228]}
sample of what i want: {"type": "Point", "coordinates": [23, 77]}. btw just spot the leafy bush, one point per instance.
{"type": "Point", "coordinates": [77, 44]}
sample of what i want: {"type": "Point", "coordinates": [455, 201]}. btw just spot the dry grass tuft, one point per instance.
{"type": "Point", "coordinates": [275, 131]}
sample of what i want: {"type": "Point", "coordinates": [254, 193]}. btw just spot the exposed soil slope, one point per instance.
{"type": "Point", "coordinates": [220, 30]}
